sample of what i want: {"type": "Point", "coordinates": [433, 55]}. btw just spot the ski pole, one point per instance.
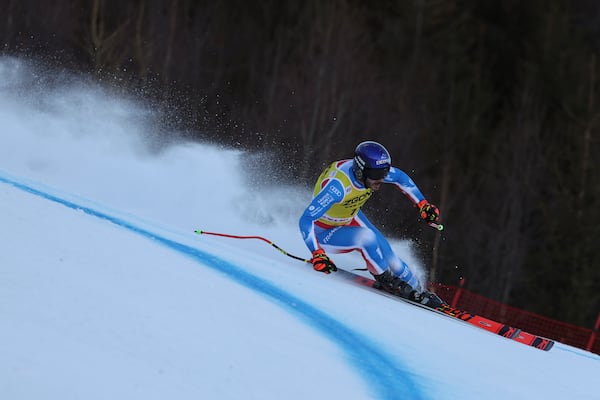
{"type": "Point", "coordinates": [201, 232]}
{"type": "Point", "coordinates": [439, 227]}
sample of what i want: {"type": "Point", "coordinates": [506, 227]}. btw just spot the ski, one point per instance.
{"type": "Point", "coordinates": [539, 342]}
{"type": "Point", "coordinates": [498, 328]}
{"type": "Point", "coordinates": [487, 324]}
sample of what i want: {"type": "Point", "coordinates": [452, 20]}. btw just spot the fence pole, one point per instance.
{"type": "Point", "coordinates": [458, 292]}
{"type": "Point", "coordinates": [593, 335]}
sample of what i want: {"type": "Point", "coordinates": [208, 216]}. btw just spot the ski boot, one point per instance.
{"type": "Point", "coordinates": [427, 298]}
{"type": "Point", "coordinates": [396, 286]}
{"type": "Point", "coordinates": [393, 284]}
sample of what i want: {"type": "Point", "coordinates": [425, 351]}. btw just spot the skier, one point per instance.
{"type": "Point", "coordinates": [334, 222]}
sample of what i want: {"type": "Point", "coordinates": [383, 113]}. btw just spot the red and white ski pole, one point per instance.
{"type": "Point", "coordinates": [200, 232]}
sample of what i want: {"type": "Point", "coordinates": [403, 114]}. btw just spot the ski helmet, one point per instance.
{"type": "Point", "coordinates": [372, 161]}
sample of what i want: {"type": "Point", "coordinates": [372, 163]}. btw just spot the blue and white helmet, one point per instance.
{"type": "Point", "coordinates": [371, 161]}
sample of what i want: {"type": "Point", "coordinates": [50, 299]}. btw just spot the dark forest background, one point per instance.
{"type": "Point", "coordinates": [492, 106]}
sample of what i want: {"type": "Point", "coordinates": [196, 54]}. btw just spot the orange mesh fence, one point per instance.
{"type": "Point", "coordinates": [573, 335]}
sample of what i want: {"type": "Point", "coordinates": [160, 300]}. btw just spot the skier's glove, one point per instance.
{"type": "Point", "coordinates": [428, 212]}
{"type": "Point", "coordinates": [321, 262]}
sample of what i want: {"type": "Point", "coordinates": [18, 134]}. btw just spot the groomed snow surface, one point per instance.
{"type": "Point", "coordinates": [106, 292]}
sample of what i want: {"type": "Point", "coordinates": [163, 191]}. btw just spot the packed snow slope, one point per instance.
{"type": "Point", "coordinates": [106, 292]}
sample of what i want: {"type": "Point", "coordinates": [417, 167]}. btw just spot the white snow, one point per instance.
{"type": "Point", "coordinates": [106, 292]}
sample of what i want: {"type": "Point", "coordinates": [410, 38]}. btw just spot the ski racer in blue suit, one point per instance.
{"type": "Point", "coordinates": [334, 222]}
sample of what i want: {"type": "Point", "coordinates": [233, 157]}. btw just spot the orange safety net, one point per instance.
{"type": "Point", "coordinates": [577, 336]}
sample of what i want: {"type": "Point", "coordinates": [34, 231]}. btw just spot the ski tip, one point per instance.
{"type": "Point", "coordinates": [198, 231]}
{"type": "Point", "coordinates": [543, 343]}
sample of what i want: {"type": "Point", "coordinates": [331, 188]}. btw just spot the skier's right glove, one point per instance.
{"type": "Point", "coordinates": [321, 262]}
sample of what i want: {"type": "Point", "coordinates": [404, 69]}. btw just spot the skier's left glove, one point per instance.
{"type": "Point", "coordinates": [428, 212]}
{"type": "Point", "coordinates": [321, 262]}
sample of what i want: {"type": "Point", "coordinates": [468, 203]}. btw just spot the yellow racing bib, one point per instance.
{"type": "Point", "coordinates": [343, 212]}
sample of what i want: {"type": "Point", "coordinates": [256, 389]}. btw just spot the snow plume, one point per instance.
{"type": "Point", "coordinates": [72, 133]}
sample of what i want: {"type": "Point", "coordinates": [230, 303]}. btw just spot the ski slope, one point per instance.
{"type": "Point", "coordinates": [107, 293]}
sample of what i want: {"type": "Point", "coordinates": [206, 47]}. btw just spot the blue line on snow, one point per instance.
{"type": "Point", "coordinates": [382, 372]}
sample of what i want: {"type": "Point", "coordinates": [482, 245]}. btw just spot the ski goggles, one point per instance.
{"type": "Point", "coordinates": [376, 174]}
